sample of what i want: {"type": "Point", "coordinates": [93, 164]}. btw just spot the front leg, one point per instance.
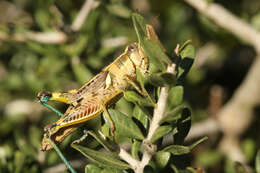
{"type": "Point", "coordinates": [109, 119]}
{"type": "Point", "coordinates": [82, 138]}
{"type": "Point", "coordinates": [52, 109]}
{"type": "Point", "coordinates": [142, 91]}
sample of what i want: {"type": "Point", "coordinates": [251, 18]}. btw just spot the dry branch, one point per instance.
{"type": "Point", "coordinates": [235, 117]}
{"type": "Point", "coordinates": [228, 21]}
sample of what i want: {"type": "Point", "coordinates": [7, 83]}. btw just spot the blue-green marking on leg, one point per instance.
{"type": "Point", "coordinates": [52, 108]}
{"type": "Point", "coordinates": [61, 155]}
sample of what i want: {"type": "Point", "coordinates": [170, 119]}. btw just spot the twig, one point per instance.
{"type": "Point", "coordinates": [54, 37]}
{"type": "Point", "coordinates": [41, 37]}
{"type": "Point", "coordinates": [83, 14]}
{"type": "Point", "coordinates": [159, 110]}
{"type": "Point", "coordinates": [236, 115]}
{"type": "Point", "coordinates": [206, 127]}
{"type": "Point", "coordinates": [47, 38]}
{"type": "Point", "coordinates": [157, 117]}
{"type": "Point", "coordinates": [227, 20]}
{"type": "Point", "coordinates": [123, 154]}
{"type": "Point", "coordinates": [114, 42]}
{"type": "Point", "coordinates": [205, 54]}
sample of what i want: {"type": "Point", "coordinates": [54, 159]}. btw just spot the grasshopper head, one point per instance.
{"type": "Point", "coordinates": [138, 56]}
{"type": "Point", "coordinates": [44, 96]}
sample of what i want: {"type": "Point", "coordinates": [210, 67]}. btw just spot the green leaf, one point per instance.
{"type": "Point", "coordinates": [180, 150]}
{"type": "Point", "coordinates": [160, 132]}
{"type": "Point", "coordinates": [175, 96]}
{"type": "Point", "coordinates": [151, 47]}
{"type": "Point", "coordinates": [183, 126]}
{"type": "Point", "coordinates": [132, 96]}
{"type": "Point", "coordinates": [257, 162]}
{"type": "Point", "coordinates": [135, 148]}
{"type": "Point", "coordinates": [187, 59]}
{"type": "Point", "coordinates": [162, 79]}
{"type": "Point", "coordinates": [111, 170]}
{"type": "Point", "coordinates": [177, 149]}
{"type": "Point", "coordinates": [140, 78]}
{"type": "Point", "coordinates": [42, 19]}
{"type": "Point", "coordinates": [154, 51]}
{"type": "Point", "coordinates": [188, 52]}
{"type": "Point", "coordinates": [174, 131]}
{"type": "Point", "coordinates": [173, 114]}
{"type": "Point", "coordinates": [100, 140]}
{"type": "Point", "coordinates": [35, 136]}
{"type": "Point", "coordinates": [174, 168]}
{"type": "Point", "coordinates": [182, 47]}
{"type": "Point", "coordinates": [77, 47]}
{"type": "Point", "coordinates": [125, 126]}
{"type": "Point", "coordinates": [91, 168]}
{"type": "Point", "coordinates": [255, 21]}
{"type": "Point", "coordinates": [139, 26]}
{"type": "Point", "coordinates": [162, 158]}
{"type": "Point", "coordinates": [240, 168]}
{"type": "Point", "coordinates": [23, 145]}
{"type": "Point", "coordinates": [106, 130]}
{"type": "Point", "coordinates": [169, 78]}
{"type": "Point", "coordinates": [119, 10]}
{"type": "Point", "coordinates": [19, 160]}
{"type": "Point", "coordinates": [48, 62]}
{"type": "Point", "coordinates": [249, 148]}
{"type": "Point", "coordinates": [229, 165]}
{"type": "Point", "coordinates": [208, 158]}
{"type": "Point", "coordinates": [141, 116]}
{"type": "Point", "coordinates": [81, 72]}
{"type": "Point", "coordinates": [101, 158]}
{"type": "Point", "coordinates": [193, 170]}
{"type": "Point", "coordinates": [192, 146]}
{"type": "Point", "coordinates": [156, 80]}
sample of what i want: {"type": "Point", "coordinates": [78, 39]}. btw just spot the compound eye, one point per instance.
{"type": "Point", "coordinates": [43, 94]}
{"type": "Point", "coordinates": [131, 47]}
{"type": "Point", "coordinates": [46, 93]}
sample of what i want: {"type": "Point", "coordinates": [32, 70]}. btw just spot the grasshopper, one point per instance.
{"type": "Point", "coordinates": [96, 96]}
{"type": "Point", "coordinates": [93, 98]}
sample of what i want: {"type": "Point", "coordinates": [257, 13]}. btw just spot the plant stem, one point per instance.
{"type": "Point", "coordinates": [128, 158]}
{"type": "Point", "coordinates": [157, 116]}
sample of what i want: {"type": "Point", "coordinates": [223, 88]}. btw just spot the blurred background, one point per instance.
{"type": "Point", "coordinates": [47, 45]}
